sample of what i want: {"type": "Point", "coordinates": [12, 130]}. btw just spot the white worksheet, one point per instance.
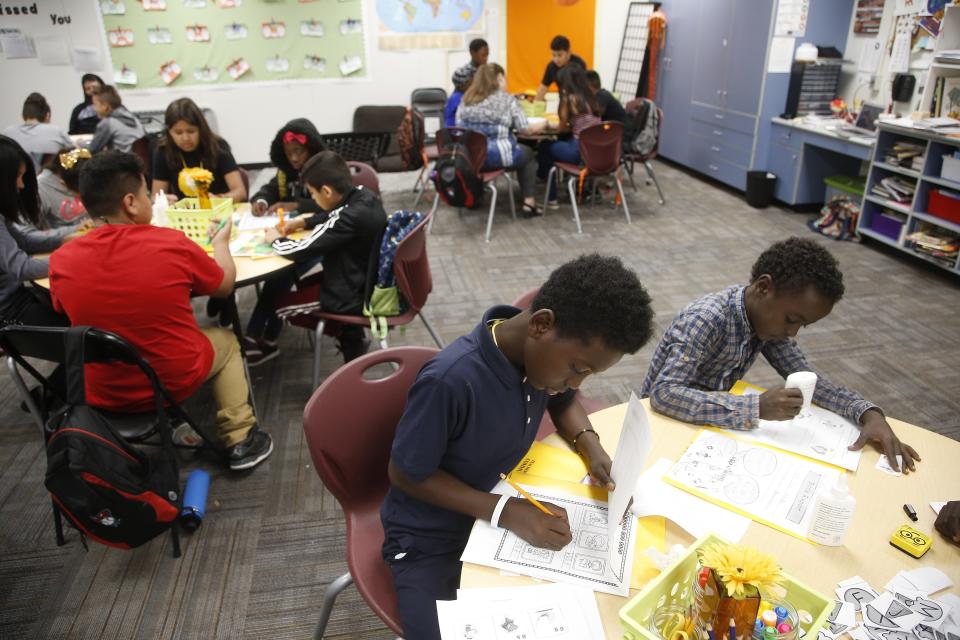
{"type": "Point", "coordinates": [592, 559]}
{"type": "Point", "coordinates": [815, 433]}
{"type": "Point", "coordinates": [521, 613]}
{"type": "Point", "coordinates": [772, 487]}
{"type": "Point", "coordinates": [628, 462]}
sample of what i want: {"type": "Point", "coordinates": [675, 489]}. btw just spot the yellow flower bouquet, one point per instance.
{"type": "Point", "coordinates": [730, 581]}
{"type": "Point", "coordinates": [196, 181]}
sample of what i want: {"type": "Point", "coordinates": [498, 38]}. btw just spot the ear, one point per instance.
{"type": "Point", "coordinates": [764, 285]}
{"type": "Point", "coordinates": [541, 322]}
{"type": "Point", "coordinates": [327, 192]}
{"type": "Point", "coordinates": [129, 206]}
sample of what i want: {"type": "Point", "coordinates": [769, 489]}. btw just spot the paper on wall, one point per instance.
{"type": "Point", "coordinates": [16, 45]}
{"type": "Point", "coordinates": [900, 55]}
{"type": "Point", "coordinates": [52, 51]}
{"type": "Point", "coordinates": [781, 54]}
{"type": "Point", "coordinates": [870, 56]}
{"type": "Point", "coordinates": [695, 515]}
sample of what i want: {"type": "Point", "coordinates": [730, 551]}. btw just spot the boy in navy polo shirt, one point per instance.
{"type": "Point", "coordinates": [474, 412]}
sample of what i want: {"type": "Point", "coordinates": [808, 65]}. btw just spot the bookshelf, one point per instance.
{"type": "Point", "coordinates": [879, 215]}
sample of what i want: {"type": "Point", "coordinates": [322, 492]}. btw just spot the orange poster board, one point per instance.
{"type": "Point", "coordinates": [532, 24]}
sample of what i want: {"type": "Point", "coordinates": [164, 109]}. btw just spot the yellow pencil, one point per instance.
{"type": "Point", "coordinates": [526, 495]}
{"type": "Point", "coordinates": [280, 213]}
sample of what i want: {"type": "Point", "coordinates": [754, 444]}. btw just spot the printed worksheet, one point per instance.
{"type": "Point", "coordinates": [772, 487]}
{"type": "Point", "coordinates": [521, 613]}
{"type": "Point", "coordinates": [591, 559]}
{"type": "Point", "coordinates": [815, 433]}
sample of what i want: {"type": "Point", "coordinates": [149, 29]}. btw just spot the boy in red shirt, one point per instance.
{"type": "Point", "coordinates": [135, 280]}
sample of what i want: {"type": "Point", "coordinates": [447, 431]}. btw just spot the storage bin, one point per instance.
{"type": "Point", "coordinates": [944, 204]}
{"type": "Point", "coordinates": [675, 585]}
{"type": "Point", "coordinates": [887, 226]}
{"type": "Point", "coordinates": [185, 215]}
{"type": "Point", "coordinates": [951, 168]}
{"type": "Point", "coordinates": [850, 186]}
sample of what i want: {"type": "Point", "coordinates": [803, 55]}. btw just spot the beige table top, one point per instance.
{"type": "Point", "coordinates": [867, 552]}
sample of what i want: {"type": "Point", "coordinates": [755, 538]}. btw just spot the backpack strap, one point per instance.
{"type": "Point", "coordinates": [73, 343]}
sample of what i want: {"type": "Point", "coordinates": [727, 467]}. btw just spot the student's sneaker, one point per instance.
{"type": "Point", "coordinates": [256, 448]}
{"type": "Point", "coordinates": [553, 205]}
{"type": "Point", "coordinates": [264, 352]}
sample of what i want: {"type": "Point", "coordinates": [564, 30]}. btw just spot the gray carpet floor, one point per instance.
{"type": "Point", "coordinates": [273, 538]}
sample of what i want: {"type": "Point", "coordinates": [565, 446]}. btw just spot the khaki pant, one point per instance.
{"type": "Point", "coordinates": [234, 414]}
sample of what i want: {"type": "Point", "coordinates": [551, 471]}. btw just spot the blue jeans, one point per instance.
{"type": "Point", "coordinates": [557, 151]}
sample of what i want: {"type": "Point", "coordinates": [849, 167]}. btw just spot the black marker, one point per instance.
{"type": "Point", "coordinates": [910, 511]}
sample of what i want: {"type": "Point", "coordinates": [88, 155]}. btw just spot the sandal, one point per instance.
{"type": "Point", "coordinates": [531, 211]}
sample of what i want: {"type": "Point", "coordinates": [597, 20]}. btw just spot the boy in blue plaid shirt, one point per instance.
{"type": "Point", "coordinates": [714, 341]}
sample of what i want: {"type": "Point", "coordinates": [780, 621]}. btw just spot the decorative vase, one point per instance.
{"type": "Point", "coordinates": [717, 608]}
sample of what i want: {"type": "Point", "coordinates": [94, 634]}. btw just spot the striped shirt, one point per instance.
{"type": "Point", "coordinates": [496, 116]}
{"type": "Point", "coordinates": [582, 121]}
{"type": "Point", "coordinates": [707, 348]}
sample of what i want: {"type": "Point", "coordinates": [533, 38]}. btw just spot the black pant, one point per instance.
{"type": "Point", "coordinates": [31, 307]}
{"type": "Point", "coordinates": [420, 582]}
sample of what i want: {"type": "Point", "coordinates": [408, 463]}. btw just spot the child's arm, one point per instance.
{"type": "Point", "coordinates": [221, 255]}
{"type": "Point", "coordinates": [568, 415]}
{"type": "Point", "coordinates": [338, 229]}
{"type": "Point", "coordinates": [235, 188]}
{"type": "Point", "coordinates": [101, 136]}
{"type": "Point", "coordinates": [266, 196]}
{"type": "Point", "coordinates": [786, 357]}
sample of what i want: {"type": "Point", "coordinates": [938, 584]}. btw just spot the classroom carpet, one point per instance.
{"type": "Point", "coordinates": [273, 538]}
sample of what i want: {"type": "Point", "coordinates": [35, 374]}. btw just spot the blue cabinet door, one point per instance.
{"type": "Point", "coordinates": [783, 162]}
{"type": "Point", "coordinates": [746, 55]}
{"type": "Point", "coordinates": [712, 46]}
{"type": "Point", "coordinates": [675, 79]}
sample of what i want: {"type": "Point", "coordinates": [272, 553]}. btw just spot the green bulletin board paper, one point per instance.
{"type": "Point", "coordinates": [145, 59]}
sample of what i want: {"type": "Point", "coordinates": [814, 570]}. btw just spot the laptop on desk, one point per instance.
{"type": "Point", "coordinates": [866, 124]}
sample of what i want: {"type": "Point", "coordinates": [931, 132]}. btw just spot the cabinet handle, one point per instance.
{"type": "Point", "coordinates": [794, 157]}
{"type": "Point", "coordinates": [718, 91]}
{"type": "Point", "coordinates": [724, 94]}
{"type": "Point", "coordinates": [714, 167]}
{"type": "Point", "coordinates": [718, 116]}
{"type": "Point", "coordinates": [717, 149]}
{"type": "Point", "coordinates": [717, 133]}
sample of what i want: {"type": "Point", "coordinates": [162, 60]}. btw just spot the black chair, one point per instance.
{"type": "Point", "coordinates": [360, 147]}
{"type": "Point", "coordinates": [48, 344]}
{"type": "Point", "coordinates": [431, 103]}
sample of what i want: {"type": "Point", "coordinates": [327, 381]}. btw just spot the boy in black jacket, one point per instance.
{"type": "Point", "coordinates": [343, 235]}
{"type": "Point", "coordinates": [293, 145]}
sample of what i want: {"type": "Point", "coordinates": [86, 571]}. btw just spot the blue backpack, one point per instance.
{"type": "Point", "coordinates": [384, 300]}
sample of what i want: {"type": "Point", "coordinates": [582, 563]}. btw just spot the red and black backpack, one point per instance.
{"type": "Point", "coordinates": [456, 181]}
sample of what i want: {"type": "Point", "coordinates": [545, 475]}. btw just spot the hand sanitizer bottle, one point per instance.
{"type": "Point", "coordinates": [832, 514]}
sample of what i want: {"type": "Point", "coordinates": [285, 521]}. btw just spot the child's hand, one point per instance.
{"type": "Point", "coordinates": [220, 235]}
{"type": "Point", "coordinates": [271, 235]}
{"type": "Point", "coordinates": [286, 206]}
{"type": "Point", "coordinates": [171, 198]}
{"type": "Point", "coordinates": [289, 226]}
{"type": "Point", "coordinates": [259, 207]}
{"type": "Point", "coordinates": [781, 404]}
{"type": "Point", "coordinates": [535, 526]}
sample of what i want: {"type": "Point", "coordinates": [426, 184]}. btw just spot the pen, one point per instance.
{"type": "Point", "coordinates": [280, 214]}
{"type": "Point", "coordinates": [526, 495]}
{"type": "Point", "coordinates": [220, 227]}
{"type": "Point", "coordinates": [910, 511]}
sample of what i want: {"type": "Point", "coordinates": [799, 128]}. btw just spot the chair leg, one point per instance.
{"type": "Point", "coordinates": [24, 392]}
{"type": "Point", "coordinates": [433, 332]}
{"type": "Point", "coordinates": [623, 198]}
{"type": "Point", "coordinates": [653, 175]}
{"type": "Point", "coordinates": [329, 597]}
{"type": "Point", "coordinates": [318, 338]}
{"type": "Point", "coordinates": [420, 187]}
{"type": "Point", "coordinates": [58, 525]}
{"type": "Point", "coordinates": [175, 539]}
{"type": "Point", "coordinates": [433, 211]}
{"type": "Point", "coordinates": [513, 205]}
{"type": "Point", "coordinates": [546, 195]}
{"type": "Point", "coordinates": [571, 189]}
{"type": "Point", "coordinates": [493, 207]}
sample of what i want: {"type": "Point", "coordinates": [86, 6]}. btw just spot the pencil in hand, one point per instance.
{"type": "Point", "coordinates": [526, 495]}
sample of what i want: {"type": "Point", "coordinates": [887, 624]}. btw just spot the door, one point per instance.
{"type": "Point", "coordinates": [746, 55]}
{"type": "Point", "coordinates": [675, 78]}
{"type": "Point", "coordinates": [713, 43]}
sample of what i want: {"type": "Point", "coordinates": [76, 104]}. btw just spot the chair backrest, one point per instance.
{"type": "Point", "coordinates": [363, 175]}
{"type": "Point", "coordinates": [367, 119]}
{"type": "Point", "coordinates": [474, 142]}
{"type": "Point", "coordinates": [526, 299]}
{"type": "Point", "coordinates": [350, 421]}
{"type": "Point", "coordinates": [141, 149]}
{"type": "Point", "coordinates": [600, 147]}
{"type": "Point", "coordinates": [361, 147]}
{"type": "Point", "coordinates": [411, 267]}
{"type": "Point", "coordinates": [430, 98]}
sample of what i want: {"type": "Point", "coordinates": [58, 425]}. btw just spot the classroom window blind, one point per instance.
{"type": "Point", "coordinates": [632, 50]}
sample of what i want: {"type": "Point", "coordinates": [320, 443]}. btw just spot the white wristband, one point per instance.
{"type": "Point", "coordinates": [497, 510]}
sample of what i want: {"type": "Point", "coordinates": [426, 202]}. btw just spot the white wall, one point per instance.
{"type": "Point", "coordinates": [608, 36]}
{"type": "Point", "coordinates": [248, 116]}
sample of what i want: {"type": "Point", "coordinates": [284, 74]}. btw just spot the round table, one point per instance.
{"type": "Point", "coordinates": [867, 551]}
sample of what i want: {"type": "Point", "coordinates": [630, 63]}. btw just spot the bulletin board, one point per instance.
{"type": "Point", "coordinates": [175, 43]}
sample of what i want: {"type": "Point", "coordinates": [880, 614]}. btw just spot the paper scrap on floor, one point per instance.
{"type": "Point", "coordinates": [529, 613]}
{"type": "Point", "coordinates": [902, 612]}
{"type": "Point", "coordinates": [695, 515]}
{"type": "Point", "coordinates": [591, 559]}
{"type": "Point", "coordinates": [769, 486]}
{"type": "Point", "coordinates": [816, 433]}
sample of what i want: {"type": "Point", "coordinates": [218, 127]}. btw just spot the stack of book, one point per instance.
{"type": "Point", "coordinates": [948, 56]}
{"type": "Point", "coordinates": [942, 249]}
{"type": "Point", "coordinates": [905, 154]}
{"type": "Point", "coordinates": [945, 101]}
{"type": "Point", "coordinates": [895, 189]}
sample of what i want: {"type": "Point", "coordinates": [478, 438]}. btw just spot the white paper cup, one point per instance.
{"type": "Point", "coordinates": [806, 381]}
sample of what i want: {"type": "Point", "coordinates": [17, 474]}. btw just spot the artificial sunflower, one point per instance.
{"type": "Point", "coordinates": [737, 567]}
{"type": "Point", "coordinates": [196, 181]}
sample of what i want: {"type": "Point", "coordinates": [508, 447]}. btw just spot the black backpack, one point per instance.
{"type": "Point", "coordinates": [456, 181]}
{"type": "Point", "coordinates": [109, 491]}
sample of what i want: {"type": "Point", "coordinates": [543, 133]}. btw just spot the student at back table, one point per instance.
{"type": "Point", "coordinates": [560, 57]}
{"type": "Point", "coordinates": [610, 107]}
{"type": "Point", "coordinates": [714, 341]}
{"type": "Point", "coordinates": [474, 411]}
{"type": "Point", "coordinates": [36, 134]}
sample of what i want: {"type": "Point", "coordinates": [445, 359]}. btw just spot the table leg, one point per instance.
{"type": "Point", "coordinates": [233, 310]}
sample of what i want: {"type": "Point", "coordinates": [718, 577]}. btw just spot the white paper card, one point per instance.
{"type": "Point", "coordinates": [781, 54]}
{"type": "Point", "coordinates": [52, 51]}
{"type": "Point", "coordinates": [883, 463]}
{"type": "Point", "coordinates": [870, 56]}
{"type": "Point", "coordinates": [628, 462]}
{"type": "Point", "coordinates": [817, 433]}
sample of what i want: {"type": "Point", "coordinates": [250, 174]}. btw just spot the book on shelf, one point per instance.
{"type": "Point", "coordinates": [950, 99]}
{"type": "Point", "coordinates": [905, 154]}
{"type": "Point", "coordinates": [938, 244]}
{"type": "Point", "coordinates": [895, 216]}
{"type": "Point", "coordinates": [894, 189]}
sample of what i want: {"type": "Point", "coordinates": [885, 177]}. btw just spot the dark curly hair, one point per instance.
{"type": "Point", "coordinates": [797, 263]}
{"type": "Point", "coordinates": [596, 296]}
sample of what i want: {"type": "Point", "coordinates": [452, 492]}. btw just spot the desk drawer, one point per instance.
{"type": "Point", "coordinates": [730, 120]}
{"type": "Point", "coordinates": [786, 136]}
{"type": "Point", "coordinates": [717, 148]}
{"type": "Point", "coordinates": [720, 170]}
{"type": "Point", "coordinates": [730, 138]}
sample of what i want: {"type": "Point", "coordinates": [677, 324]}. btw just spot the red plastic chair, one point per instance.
{"type": "Point", "coordinates": [411, 267]}
{"type": "Point", "coordinates": [600, 150]}
{"type": "Point", "coordinates": [476, 145]}
{"type": "Point", "coordinates": [363, 175]}
{"type": "Point", "coordinates": [354, 467]}
{"type": "Point", "coordinates": [631, 159]}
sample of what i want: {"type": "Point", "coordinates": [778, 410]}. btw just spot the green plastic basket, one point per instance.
{"type": "Point", "coordinates": [187, 216]}
{"type": "Point", "coordinates": [675, 585]}
{"type": "Point", "coordinates": [534, 109]}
